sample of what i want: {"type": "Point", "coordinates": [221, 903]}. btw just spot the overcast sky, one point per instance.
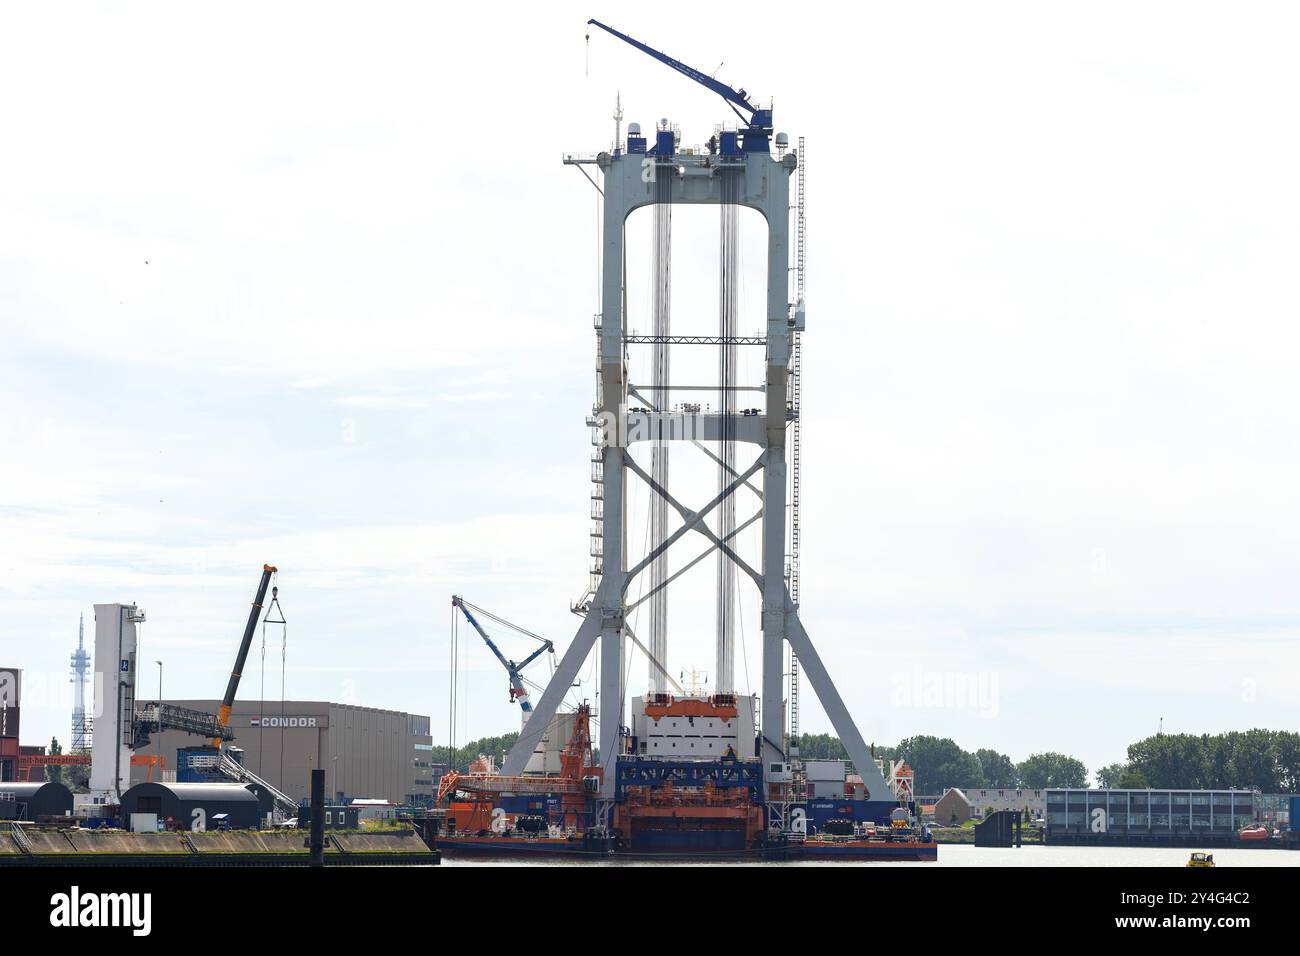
{"type": "Point", "coordinates": [310, 285]}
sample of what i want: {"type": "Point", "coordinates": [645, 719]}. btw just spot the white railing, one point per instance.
{"type": "Point", "coordinates": [237, 771]}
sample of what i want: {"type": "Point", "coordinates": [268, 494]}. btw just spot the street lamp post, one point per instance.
{"type": "Point", "coordinates": [159, 663]}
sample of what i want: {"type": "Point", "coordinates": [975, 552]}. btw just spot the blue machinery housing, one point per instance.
{"type": "Point", "coordinates": [635, 772]}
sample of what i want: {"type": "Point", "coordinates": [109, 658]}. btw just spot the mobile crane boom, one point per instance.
{"type": "Point", "coordinates": [517, 690]}
{"type": "Point", "coordinates": [227, 702]}
{"type": "Point", "coordinates": [758, 122]}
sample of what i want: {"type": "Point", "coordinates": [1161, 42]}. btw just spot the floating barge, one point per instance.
{"type": "Point", "coordinates": [714, 808]}
{"type": "Point", "coordinates": [701, 846]}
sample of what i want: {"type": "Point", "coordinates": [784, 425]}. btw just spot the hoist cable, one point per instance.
{"type": "Point", "coordinates": [503, 622]}
{"type": "Point", "coordinates": [724, 679]}
{"type": "Point", "coordinates": [661, 303]}
{"type": "Point", "coordinates": [275, 609]}
{"type": "Point", "coordinates": [261, 706]}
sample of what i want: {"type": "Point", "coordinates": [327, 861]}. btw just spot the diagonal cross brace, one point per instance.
{"type": "Point", "coordinates": [811, 666]}
{"type": "Point", "coordinates": [580, 646]}
{"type": "Point", "coordinates": [693, 562]}
{"type": "Point", "coordinates": [700, 445]}
{"type": "Point", "coordinates": [694, 521]}
{"type": "Point", "coordinates": [708, 451]}
{"type": "Point", "coordinates": [658, 665]}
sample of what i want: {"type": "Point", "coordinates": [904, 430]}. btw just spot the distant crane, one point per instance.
{"type": "Point", "coordinates": [757, 120]}
{"type": "Point", "coordinates": [517, 690]}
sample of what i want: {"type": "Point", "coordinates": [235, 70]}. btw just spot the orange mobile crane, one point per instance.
{"type": "Point", "coordinates": [577, 781]}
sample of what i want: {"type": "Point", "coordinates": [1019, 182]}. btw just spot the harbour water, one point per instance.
{"type": "Point", "coordinates": [972, 856]}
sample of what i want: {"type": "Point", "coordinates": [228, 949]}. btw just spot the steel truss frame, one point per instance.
{"type": "Point", "coordinates": [764, 185]}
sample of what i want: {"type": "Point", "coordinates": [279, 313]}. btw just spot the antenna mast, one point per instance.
{"type": "Point", "coordinates": [80, 673]}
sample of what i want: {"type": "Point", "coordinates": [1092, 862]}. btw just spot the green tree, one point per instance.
{"type": "Point", "coordinates": [1108, 776]}
{"type": "Point", "coordinates": [1264, 760]}
{"type": "Point", "coordinates": [77, 777]}
{"type": "Point", "coordinates": [821, 747]}
{"type": "Point", "coordinates": [1132, 780]}
{"type": "Point", "coordinates": [488, 746]}
{"type": "Point", "coordinates": [55, 774]}
{"type": "Point", "coordinates": [939, 763]}
{"type": "Point", "coordinates": [1287, 762]}
{"type": "Point", "coordinates": [997, 769]}
{"type": "Point", "coordinates": [1168, 760]}
{"type": "Point", "coordinates": [1251, 760]}
{"type": "Point", "coordinates": [1050, 769]}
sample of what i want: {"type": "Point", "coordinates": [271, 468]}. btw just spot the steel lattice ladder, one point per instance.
{"type": "Point", "coordinates": [796, 430]}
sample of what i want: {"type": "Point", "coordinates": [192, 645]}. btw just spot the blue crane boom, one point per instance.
{"type": "Point", "coordinates": [758, 124]}
{"type": "Point", "coordinates": [517, 690]}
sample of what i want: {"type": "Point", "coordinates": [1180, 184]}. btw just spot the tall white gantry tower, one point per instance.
{"type": "Point", "coordinates": [741, 168]}
{"type": "Point", "coordinates": [116, 639]}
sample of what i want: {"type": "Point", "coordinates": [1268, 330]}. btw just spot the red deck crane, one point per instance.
{"type": "Point", "coordinates": [573, 785]}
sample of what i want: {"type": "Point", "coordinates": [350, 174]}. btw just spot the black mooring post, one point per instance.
{"type": "Point", "coordinates": [318, 818]}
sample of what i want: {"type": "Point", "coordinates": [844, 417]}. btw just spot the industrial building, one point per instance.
{"type": "Point", "coordinates": [16, 759]}
{"type": "Point", "coordinates": [1274, 809]}
{"type": "Point", "coordinates": [336, 817]}
{"type": "Point", "coordinates": [10, 684]}
{"type": "Point", "coordinates": [10, 749]}
{"type": "Point", "coordinates": [1171, 816]}
{"type": "Point", "coordinates": [34, 801]}
{"type": "Point", "coordinates": [364, 751]}
{"type": "Point", "coordinates": [986, 800]}
{"type": "Point", "coordinates": [956, 806]}
{"type": "Point", "coordinates": [191, 806]}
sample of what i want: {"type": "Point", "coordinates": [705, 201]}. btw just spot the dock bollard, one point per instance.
{"type": "Point", "coordinates": [318, 818]}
